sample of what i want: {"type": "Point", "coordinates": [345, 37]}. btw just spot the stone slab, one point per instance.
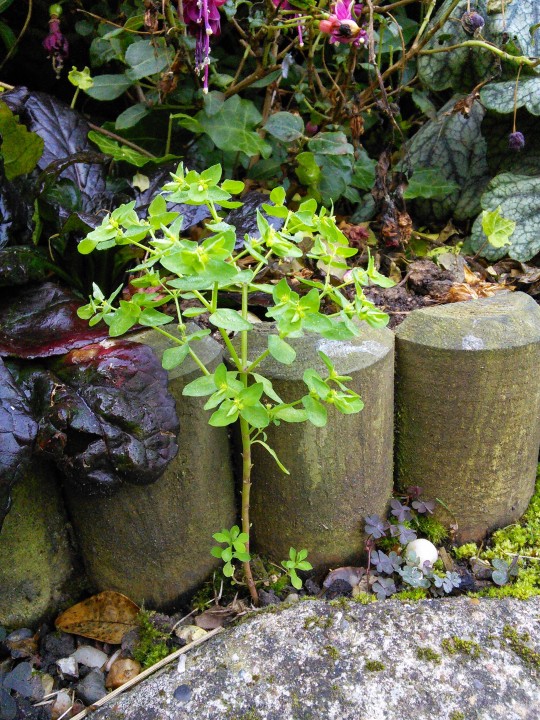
{"type": "Point", "coordinates": [311, 662]}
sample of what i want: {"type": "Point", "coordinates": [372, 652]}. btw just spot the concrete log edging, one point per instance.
{"type": "Point", "coordinates": [468, 408]}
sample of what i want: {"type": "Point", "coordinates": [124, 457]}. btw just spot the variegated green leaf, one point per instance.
{"type": "Point", "coordinates": [519, 199]}
{"type": "Point", "coordinates": [500, 96]}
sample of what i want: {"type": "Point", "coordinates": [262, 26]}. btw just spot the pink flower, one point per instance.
{"type": "Point", "coordinates": [342, 25]}
{"type": "Point", "coordinates": [203, 20]}
{"type": "Point", "coordinates": [56, 45]}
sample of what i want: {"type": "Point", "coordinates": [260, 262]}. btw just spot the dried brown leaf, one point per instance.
{"type": "Point", "coordinates": [106, 617]}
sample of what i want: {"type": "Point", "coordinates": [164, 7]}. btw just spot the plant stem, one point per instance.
{"type": "Point", "coordinates": [122, 140]}
{"type": "Point", "coordinates": [169, 135]}
{"type": "Point", "coordinates": [519, 60]}
{"type": "Point", "coordinates": [246, 451]}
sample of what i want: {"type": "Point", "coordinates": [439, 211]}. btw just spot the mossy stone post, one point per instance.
{"type": "Point", "coordinates": [468, 408]}
{"type": "Point", "coordinates": [36, 570]}
{"type": "Point", "coordinates": [339, 473]}
{"type": "Point", "coordinates": [153, 542]}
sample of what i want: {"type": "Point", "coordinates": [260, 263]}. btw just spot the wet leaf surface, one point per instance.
{"type": "Point", "coordinates": [106, 617]}
{"type": "Point", "coordinates": [105, 415]}
{"type": "Point", "coordinates": [41, 321]}
{"type": "Point", "coordinates": [17, 433]}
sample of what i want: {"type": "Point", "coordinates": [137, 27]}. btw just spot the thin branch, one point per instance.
{"type": "Point", "coordinates": [122, 140]}
{"type": "Point", "coordinates": [516, 59]}
{"type": "Point", "coordinates": [19, 37]}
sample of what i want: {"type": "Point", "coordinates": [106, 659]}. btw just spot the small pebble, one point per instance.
{"type": "Point", "coordinates": [268, 598]}
{"type": "Point", "coordinates": [62, 704]}
{"type": "Point", "coordinates": [121, 671]}
{"type": "Point", "coordinates": [21, 644]}
{"type": "Point", "coordinates": [245, 676]}
{"type": "Point", "coordinates": [47, 681]}
{"type": "Point", "coordinates": [182, 694]}
{"type": "Point", "coordinates": [181, 667]}
{"type": "Point", "coordinates": [339, 588]}
{"type": "Point", "coordinates": [90, 656]}
{"type": "Point", "coordinates": [292, 597]}
{"type": "Point", "coordinates": [58, 645]}
{"type": "Point", "coordinates": [68, 667]}
{"type": "Point", "coordinates": [92, 687]}
{"type": "Point", "coordinates": [189, 633]}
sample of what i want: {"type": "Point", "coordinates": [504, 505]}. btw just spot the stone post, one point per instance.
{"type": "Point", "coordinates": [468, 408]}
{"type": "Point", "coordinates": [36, 571]}
{"type": "Point", "coordinates": [153, 542]}
{"type": "Point", "coordinates": [339, 473]}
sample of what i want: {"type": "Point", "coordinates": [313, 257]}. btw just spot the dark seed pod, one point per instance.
{"type": "Point", "coordinates": [472, 22]}
{"type": "Point", "coordinates": [516, 141]}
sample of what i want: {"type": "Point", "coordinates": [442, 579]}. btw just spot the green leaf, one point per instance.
{"type": "Point", "coordinates": [131, 116]}
{"type": "Point", "coordinates": [285, 126]}
{"type": "Point", "coordinates": [81, 78]}
{"type": "Point", "coordinates": [364, 171]}
{"type": "Point", "coordinates": [290, 414]}
{"type": "Point", "coordinates": [316, 411]}
{"type": "Point", "coordinates": [200, 387]}
{"type": "Point", "coordinates": [228, 570]}
{"type": "Point", "coordinates": [330, 143]}
{"type": "Point", "coordinates": [150, 317]}
{"type": "Point", "coordinates": [216, 551]}
{"type": "Point", "coordinates": [229, 320]}
{"type": "Point", "coordinates": [429, 183]}
{"type": "Point", "coordinates": [295, 580]}
{"type": "Point", "coordinates": [499, 96]}
{"type": "Point", "coordinates": [497, 228]}
{"type": "Point", "coordinates": [147, 57]}
{"type": "Point", "coordinates": [256, 415]}
{"type": "Point", "coordinates": [516, 21]}
{"type": "Point", "coordinates": [232, 127]}
{"type": "Point", "coordinates": [189, 123]}
{"type": "Point", "coordinates": [123, 319]}
{"type": "Point", "coordinates": [117, 151]}
{"type": "Point", "coordinates": [454, 145]}
{"type": "Point", "coordinates": [20, 148]}
{"type": "Point", "coordinates": [272, 452]}
{"type": "Point", "coordinates": [223, 537]}
{"type": "Point", "coordinates": [226, 554]}
{"type": "Point", "coordinates": [308, 172]}
{"type": "Point", "coordinates": [280, 350]}
{"type": "Point", "coordinates": [518, 197]}
{"type": "Point", "coordinates": [4, 4]}
{"type": "Point", "coordinates": [172, 357]}
{"type": "Point", "coordinates": [109, 87]}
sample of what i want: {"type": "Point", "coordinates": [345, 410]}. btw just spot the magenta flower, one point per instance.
{"type": "Point", "coordinates": [202, 21]}
{"type": "Point", "coordinates": [56, 45]}
{"type": "Point", "coordinates": [342, 25]}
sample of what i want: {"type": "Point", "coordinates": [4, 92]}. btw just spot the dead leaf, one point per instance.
{"type": "Point", "coordinates": [218, 616]}
{"type": "Point", "coordinates": [106, 617]}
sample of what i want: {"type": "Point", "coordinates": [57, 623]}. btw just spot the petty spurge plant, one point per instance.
{"type": "Point", "coordinates": [207, 274]}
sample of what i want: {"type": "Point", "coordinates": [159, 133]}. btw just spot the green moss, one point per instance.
{"type": "Point", "coordinates": [413, 594]}
{"type": "Point", "coordinates": [457, 715]}
{"type": "Point", "coordinates": [373, 666]}
{"type": "Point", "coordinates": [466, 552]}
{"type": "Point", "coordinates": [518, 644]}
{"type": "Point", "coordinates": [248, 715]}
{"type": "Point", "coordinates": [455, 645]}
{"type": "Point", "coordinates": [321, 621]}
{"type": "Point", "coordinates": [432, 529]}
{"type": "Point", "coordinates": [364, 598]}
{"type": "Point", "coordinates": [526, 586]}
{"type": "Point", "coordinates": [332, 651]}
{"type": "Point", "coordinates": [426, 653]}
{"type": "Point", "coordinates": [152, 646]}
{"type": "Point", "coordinates": [341, 602]}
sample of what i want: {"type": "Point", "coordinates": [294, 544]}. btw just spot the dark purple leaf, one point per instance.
{"type": "Point", "coordinates": [22, 264]}
{"type": "Point", "coordinates": [65, 133]}
{"type": "Point", "coordinates": [424, 506]}
{"type": "Point", "coordinates": [414, 491]}
{"type": "Point", "coordinates": [16, 210]}
{"type": "Point", "coordinates": [192, 214]}
{"type": "Point", "coordinates": [399, 511]}
{"type": "Point", "coordinates": [106, 416]}
{"type": "Point", "coordinates": [405, 534]}
{"type": "Point", "coordinates": [244, 218]}
{"type": "Point", "coordinates": [376, 526]}
{"type": "Point", "coordinates": [384, 563]}
{"type": "Point", "coordinates": [17, 433]}
{"type": "Point", "coordinates": [41, 321]}
{"type": "Point", "coordinates": [384, 587]}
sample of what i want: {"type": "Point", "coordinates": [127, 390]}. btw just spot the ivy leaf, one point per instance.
{"type": "Point", "coordinates": [518, 197]}
{"type": "Point", "coordinates": [285, 126]}
{"type": "Point", "coordinates": [20, 149]}
{"type": "Point", "coordinates": [109, 87]}
{"type": "Point", "coordinates": [454, 145]}
{"type": "Point", "coordinates": [429, 183]}
{"type": "Point", "coordinates": [147, 57]}
{"type": "Point", "coordinates": [131, 116]}
{"type": "Point", "coordinates": [500, 96]}
{"type": "Point", "coordinates": [232, 127]}
{"type": "Point", "coordinates": [330, 143]}
{"type": "Point", "coordinates": [459, 69]}
{"type": "Point", "coordinates": [118, 151]}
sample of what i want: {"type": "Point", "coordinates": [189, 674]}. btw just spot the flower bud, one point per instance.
{"type": "Point", "coordinates": [516, 141]}
{"type": "Point", "coordinates": [472, 22]}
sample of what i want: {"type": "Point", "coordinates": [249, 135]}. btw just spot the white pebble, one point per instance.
{"type": "Point", "coordinates": [90, 656]}
{"type": "Point", "coordinates": [68, 666]}
{"type": "Point", "coordinates": [424, 549]}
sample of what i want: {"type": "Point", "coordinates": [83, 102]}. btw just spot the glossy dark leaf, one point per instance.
{"type": "Point", "coordinates": [65, 132]}
{"type": "Point", "coordinates": [244, 218]}
{"type": "Point", "coordinates": [40, 321]}
{"type": "Point", "coordinates": [16, 209]}
{"type": "Point", "coordinates": [105, 415]}
{"type": "Point", "coordinates": [17, 433]}
{"type": "Point", "coordinates": [192, 214]}
{"type": "Point", "coordinates": [23, 264]}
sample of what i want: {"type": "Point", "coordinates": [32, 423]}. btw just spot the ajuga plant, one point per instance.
{"type": "Point", "coordinates": [207, 273]}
